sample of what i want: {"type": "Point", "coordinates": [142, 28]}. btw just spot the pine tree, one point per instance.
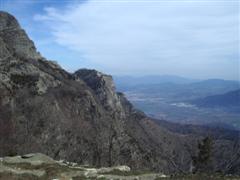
{"type": "Point", "coordinates": [203, 161]}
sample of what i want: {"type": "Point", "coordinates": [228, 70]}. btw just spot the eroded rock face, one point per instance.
{"type": "Point", "coordinates": [20, 64]}
{"type": "Point", "coordinates": [15, 38]}
{"type": "Point", "coordinates": [78, 117]}
{"type": "Point", "coordinates": [103, 86]}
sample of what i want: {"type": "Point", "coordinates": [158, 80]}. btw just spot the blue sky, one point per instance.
{"type": "Point", "coordinates": [191, 38]}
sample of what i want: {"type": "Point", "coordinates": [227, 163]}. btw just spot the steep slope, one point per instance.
{"type": "Point", "coordinates": [79, 117]}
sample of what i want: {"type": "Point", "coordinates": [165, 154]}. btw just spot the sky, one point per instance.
{"type": "Point", "coordinates": [189, 38]}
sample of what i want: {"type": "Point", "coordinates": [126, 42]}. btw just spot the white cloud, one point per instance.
{"type": "Point", "coordinates": [151, 37]}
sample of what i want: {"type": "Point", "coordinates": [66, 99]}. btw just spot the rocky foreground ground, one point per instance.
{"type": "Point", "coordinates": [41, 167]}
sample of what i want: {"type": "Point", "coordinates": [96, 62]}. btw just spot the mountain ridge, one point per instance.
{"type": "Point", "coordinates": [231, 98]}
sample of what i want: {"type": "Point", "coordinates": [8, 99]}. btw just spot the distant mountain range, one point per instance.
{"type": "Point", "coordinates": [132, 81]}
{"type": "Point", "coordinates": [229, 99]}
{"type": "Point", "coordinates": [175, 88]}
{"type": "Point", "coordinates": [188, 102]}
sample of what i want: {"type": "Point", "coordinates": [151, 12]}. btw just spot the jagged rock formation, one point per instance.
{"type": "Point", "coordinates": [79, 117]}
{"type": "Point", "coordinates": [15, 40]}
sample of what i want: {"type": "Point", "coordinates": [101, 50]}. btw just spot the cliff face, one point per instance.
{"type": "Point", "coordinates": [15, 39]}
{"type": "Point", "coordinates": [78, 117]}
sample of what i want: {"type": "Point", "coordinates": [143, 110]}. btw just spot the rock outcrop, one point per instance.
{"type": "Point", "coordinates": [79, 117]}
{"type": "Point", "coordinates": [15, 39]}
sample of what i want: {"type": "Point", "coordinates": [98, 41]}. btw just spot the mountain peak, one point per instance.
{"type": "Point", "coordinates": [7, 21]}
{"type": "Point", "coordinates": [14, 42]}
{"type": "Point", "coordinates": [102, 84]}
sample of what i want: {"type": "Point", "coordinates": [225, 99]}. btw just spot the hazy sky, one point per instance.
{"type": "Point", "coordinates": [191, 38]}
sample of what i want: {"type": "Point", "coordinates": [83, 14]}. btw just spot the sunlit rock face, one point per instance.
{"type": "Point", "coordinates": [15, 38]}
{"type": "Point", "coordinates": [104, 88]}
{"type": "Point", "coordinates": [78, 117]}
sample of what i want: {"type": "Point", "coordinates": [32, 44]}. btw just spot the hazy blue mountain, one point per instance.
{"type": "Point", "coordinates": [229, 99]}
{"type": "Point", "coordinates": [177, 91]}
{"type": "Point", "coordinates": [132, 81]}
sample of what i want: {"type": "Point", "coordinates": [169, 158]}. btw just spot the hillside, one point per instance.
{"type": "Point", "coordinates": [230, 99]}
{"type": "Point", "coordinates": [81, 118]}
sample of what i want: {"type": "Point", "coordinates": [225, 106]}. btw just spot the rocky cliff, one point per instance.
{"type": "Point", "coordinates": [80, 117]}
